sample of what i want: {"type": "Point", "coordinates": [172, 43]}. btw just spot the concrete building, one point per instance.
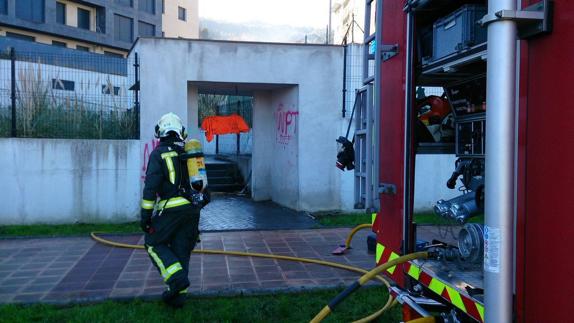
{"type": "Point", "coordinates": [98, 26]}
{"type": "Point", "coordinates": [180, 19]}
{"type": "Point", "coordinates": [295, 114]}
{"type": "Point", "coordinates": [344, 13]}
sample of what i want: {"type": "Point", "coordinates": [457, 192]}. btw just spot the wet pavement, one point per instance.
{"type": "Point", "coordinates": [232, 212]}
{"type": "Point", "coordinates": [78, 269]}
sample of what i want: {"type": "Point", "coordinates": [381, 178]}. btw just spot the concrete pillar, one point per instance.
{"type": "Point", "coordinates": [285, 157]}
{"type": "Point", "coordinates": [192, 112]}
{"type": "Point", "coordinates": [262, 155]}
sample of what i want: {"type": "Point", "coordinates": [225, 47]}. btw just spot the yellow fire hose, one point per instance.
{"type": "Point", "coordinates": [362, 281]}
{"type": "Point", "coordinates": [355, 230]}
{"type": "Point", "coordinates": [368, 275]}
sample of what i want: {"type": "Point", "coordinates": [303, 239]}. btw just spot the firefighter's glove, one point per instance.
{"type": "Point", "coordinates": [145, 220]}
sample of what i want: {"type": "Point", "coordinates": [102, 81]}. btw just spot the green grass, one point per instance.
{"type": "Point", "coordinates": [341, 220]}
{"type": "Point", "coordinates": [354, 219]}
{"type": "Point", "coordinates": [66, 229]}
{"type": "Point", "coordinates": [344, 220]}
{"type": "Point", "coordinates": [291, 307]}
{"type": "Point", "coordinates": [431, 218]}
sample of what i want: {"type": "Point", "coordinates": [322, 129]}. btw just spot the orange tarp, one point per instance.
{"type": "Point", "coordinates": [222, 125]}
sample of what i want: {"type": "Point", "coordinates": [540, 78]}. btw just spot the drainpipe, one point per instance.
{"type": "Point", "coordinates": [499, 178]}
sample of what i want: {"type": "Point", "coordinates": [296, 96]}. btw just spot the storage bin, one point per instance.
{"type": "Point", "coordinates": [458, 31]}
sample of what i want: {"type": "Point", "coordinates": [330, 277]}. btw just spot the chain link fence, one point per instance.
{"type": "Point", "coordinates": [72, 96]}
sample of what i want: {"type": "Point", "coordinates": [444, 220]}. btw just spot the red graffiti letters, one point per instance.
{"type": "Point", "coordinates": [148, 148]}
{"type": "Point", "coordinates": [286, 122]}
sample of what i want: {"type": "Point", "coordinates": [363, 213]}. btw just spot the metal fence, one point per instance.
{"type": "Point", "coordinates": [224, 105]}
{"type": "Point", "coordinates": [71, 95]}
{"type": "Point", "coordinates": [353, 74]}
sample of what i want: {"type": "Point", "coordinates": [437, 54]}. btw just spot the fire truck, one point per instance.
{"type": "Point", "coordinates": [505, 70]}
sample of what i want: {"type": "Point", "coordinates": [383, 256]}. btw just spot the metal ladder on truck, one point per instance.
{"type": "Point", "coordinates": [367, 121]}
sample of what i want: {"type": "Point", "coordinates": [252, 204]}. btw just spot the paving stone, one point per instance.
{"type": "Point", "coordinates": [28, 298]}
{"type": "Point", "coordinates": [15, 281]}
{"type": "Point", "coordinates": [126, 292]}
{"type": "Point", "coordinates": [37, 288]}
{"type": "Point", "coordinates": [269, 276]}
{"type": "Point", "coordinates": [6, 297]}
{"type": "Point", "coordinates": [54, 272]}
{"type": "Point", "coordinates": [130, 284]}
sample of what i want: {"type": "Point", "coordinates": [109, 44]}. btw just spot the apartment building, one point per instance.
{"type": "Point", "coordinates": [99, 26]}
{"type": "Point", "coordinates": [180, 19]}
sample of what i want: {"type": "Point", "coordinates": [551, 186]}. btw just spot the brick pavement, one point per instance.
{"type": "Point", "coordinates": [77, 269]}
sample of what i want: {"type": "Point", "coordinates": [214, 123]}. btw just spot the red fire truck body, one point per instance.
{"type": "Point", "coordinates": [543, 153]}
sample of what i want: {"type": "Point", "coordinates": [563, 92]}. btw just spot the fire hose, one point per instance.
{"type": "Point", "coordinates": [367, 275]}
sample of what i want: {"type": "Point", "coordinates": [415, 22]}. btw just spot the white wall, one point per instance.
{"type": "Point", "coordinates": [263, 123]}
{"type": "Point", "coordinates": [431, 174]}
{"type": "Point", "coordinates": [67, 181]}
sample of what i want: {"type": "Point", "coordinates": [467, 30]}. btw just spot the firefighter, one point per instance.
{"type": "Point", "coordinates": [170, 210]}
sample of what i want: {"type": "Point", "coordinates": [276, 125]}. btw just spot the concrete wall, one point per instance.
{"type": "Point", "coordinates": [261, 185]}
{"type": "Point", "coordinates": [167, 65]}
{"type": "Point", "coordinates": [431, 174]}
{"type": "Point", "coordinates": [68, 181]}
{"type": "Point", "coordinates": [285, 172]}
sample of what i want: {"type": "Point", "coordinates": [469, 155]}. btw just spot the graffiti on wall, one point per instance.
{"type": "Point", "coordinates": [286, 124]}
{"type": "Point", "coordinates": [148, 148]}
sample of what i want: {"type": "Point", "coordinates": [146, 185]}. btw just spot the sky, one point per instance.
{"type": "Point", "coordinates": [300, 13]}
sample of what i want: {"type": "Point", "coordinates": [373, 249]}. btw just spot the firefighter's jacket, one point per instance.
{"type": "Point", "coordinates": [166, 179]}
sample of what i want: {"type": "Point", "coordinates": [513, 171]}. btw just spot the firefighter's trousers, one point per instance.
{"type": "Point", "coordinates": [170, 245]}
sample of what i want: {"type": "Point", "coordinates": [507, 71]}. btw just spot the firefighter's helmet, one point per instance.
{"type": "Point", "coordinates": [170, 122]}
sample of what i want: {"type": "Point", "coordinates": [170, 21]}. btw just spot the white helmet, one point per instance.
{"type": "Point", "coordinates": [170, 122]}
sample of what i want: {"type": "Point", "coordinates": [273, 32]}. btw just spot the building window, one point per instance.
{"type": "Point", "coordinates": [62, 85]}
{"type": "Point", "coordinates": [127, 3]}
{"type": "Point", "coordinates": [123, 29]}
{"type": "Point", "coordinates": [83, 19]}
{"type": "Point", "coordinates": [107, 89]}
{"type": "Point", "coordinates": [3, 7]}
{"type": "Point", "coordinates": [112, 54]}
{"type": "Point", "coordinates": [20, 36]}
{"type": "Point", "coordinates": [147, 6]}
{"type": "Point", "coordinates": [59, 43]}
{"type": "Point", "coordinates": [60, 13]}
{"type": "Point", "coordinates": [162, 6]}
{"type": "Point", "coordinates": [181, 13]}
{"type": "Point", "coordinates": [145, 29]}
{"type": "Point", "coordinates": [83, 48]}
{"type": "Point", "coordinates": [31, 10]}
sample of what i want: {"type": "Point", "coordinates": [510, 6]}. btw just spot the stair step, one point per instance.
{"type": "Point", "coordinates": [220, 166]}
{"type": "Point", "coordinates": [218, 173]}
{"type": "Point", "coordinates": [221, 180]}
{"type": "Point", "coordinates": [225, 187]}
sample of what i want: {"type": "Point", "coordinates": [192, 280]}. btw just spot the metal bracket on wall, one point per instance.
{"type": "Point", "coordinates": [531, 21]}
{"type": "Point", "coordinates": [389, 51]}
{"type": "Point", "coordinates": [390, 189]}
